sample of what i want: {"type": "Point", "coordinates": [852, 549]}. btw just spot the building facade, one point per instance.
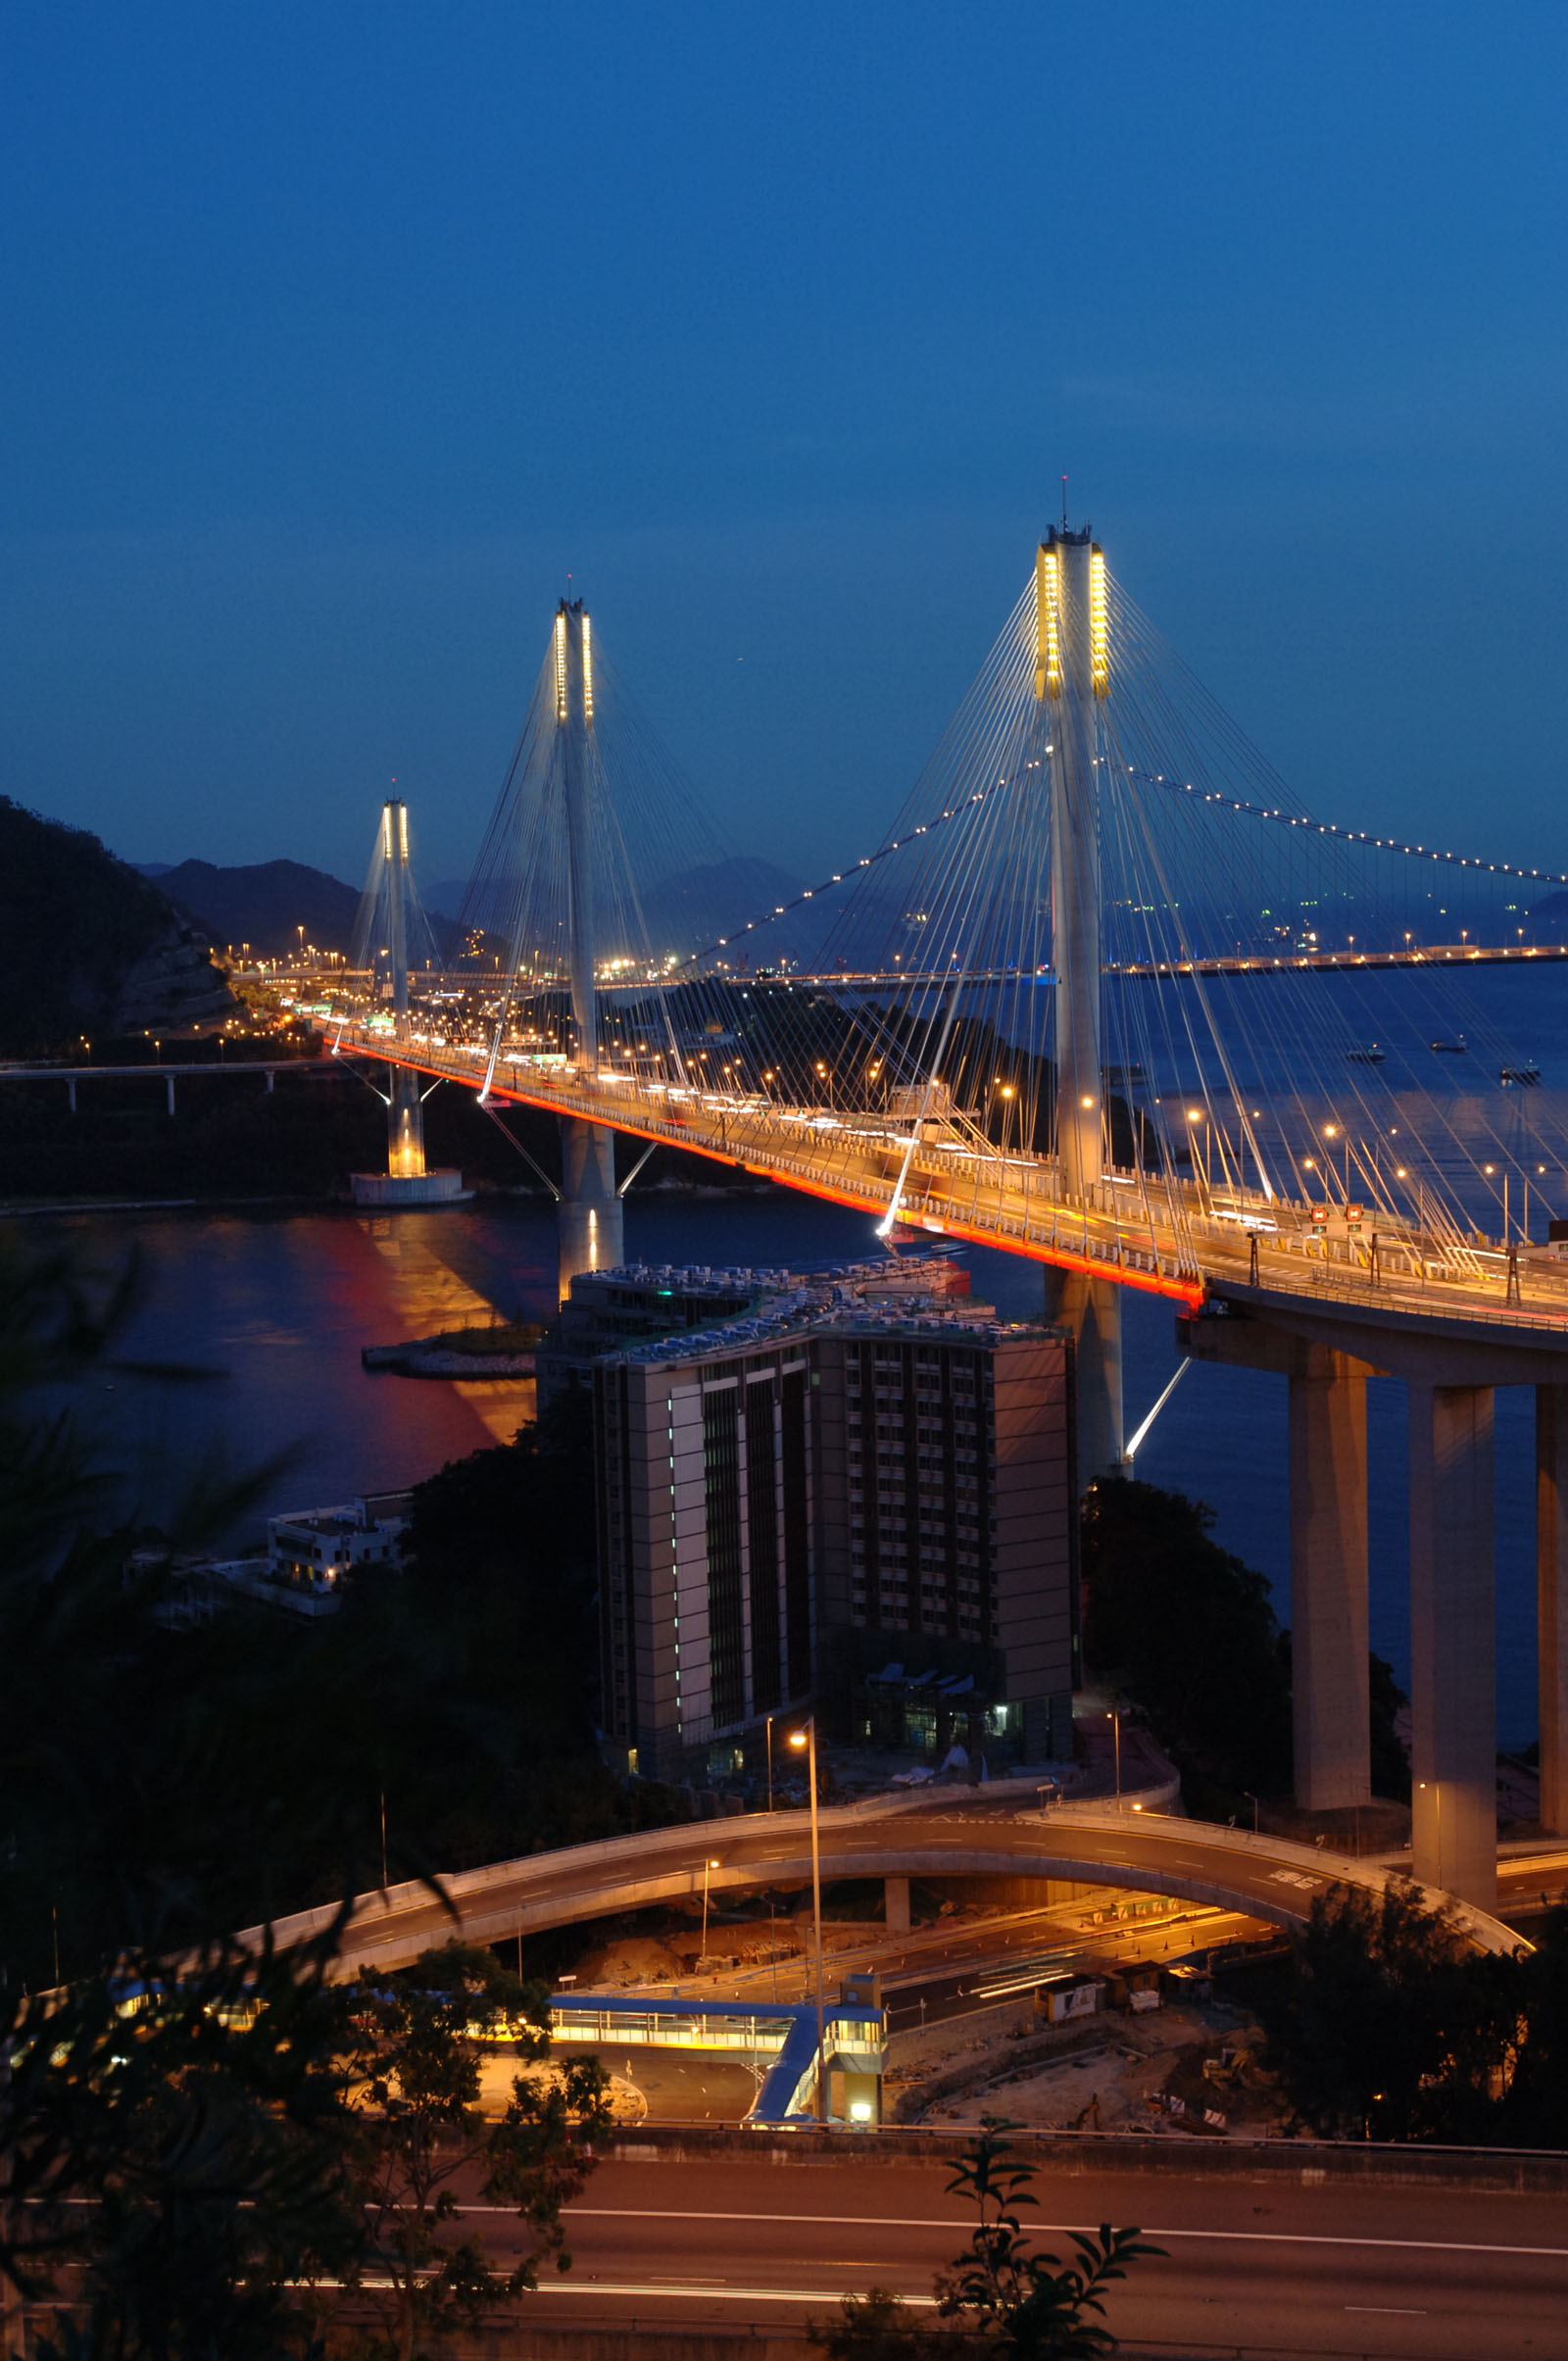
{"type": "Point", "coordinates": [860, 1494]}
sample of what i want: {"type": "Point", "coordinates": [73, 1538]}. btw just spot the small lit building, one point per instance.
{"type": "Point", "coordinates": [319, 1548]}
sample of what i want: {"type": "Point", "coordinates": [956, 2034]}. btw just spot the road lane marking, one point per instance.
{"type": "Point", "coordinates": [1406, 2311]}
{"type": "Point", "coordinates": [855, 2221]}
{"type": "Point", "coordinates": [708, 2295]}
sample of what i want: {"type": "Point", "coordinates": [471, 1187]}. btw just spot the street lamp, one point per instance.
{"type": "Point", "coordinates": [1437, 1821]}
{"type": "Point", "coordinates": [770, 1762]}
{"type": "Point", "coordinates": [1115, 1720]}
{"type": "Point", "coordinates": [805, 1737]}
{"type": "Point", "coordinates": [707, 1866]}
{"type": "Point", "coordinates": [1253, 1800]}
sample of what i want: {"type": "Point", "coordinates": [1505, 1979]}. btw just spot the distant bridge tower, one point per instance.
{"type": "Point", "coordinates": [384, 923]}
{"type": "Point", "coordinates": [590, 1222]}
{"type": "Point", "coordinates": [1073, 676]}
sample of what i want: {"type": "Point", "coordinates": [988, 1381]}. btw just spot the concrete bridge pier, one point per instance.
{"type": "Point", "coordinates": [1452, 1647]}
{"type": "Point", "coordinates": [1091, 1310]}
{"type": "Point", "coordinates": [1552, 1601]}
{"type": "Point", "coordinates": [1329, 1672]}
{"type": "Point", "coordinates": [590, 1220]}
{"type": "Point", "coordinates": [405, 1126]}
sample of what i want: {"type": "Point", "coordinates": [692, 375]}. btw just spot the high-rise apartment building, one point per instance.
{"type": "Point", "coordinates": [862, 1494]}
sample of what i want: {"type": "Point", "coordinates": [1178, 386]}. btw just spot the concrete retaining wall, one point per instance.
{"type": "Point", "coordinates": [1308, 2162]}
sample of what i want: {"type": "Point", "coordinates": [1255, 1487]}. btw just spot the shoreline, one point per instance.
{"type": "Point", "coordinates": [28, 1207]}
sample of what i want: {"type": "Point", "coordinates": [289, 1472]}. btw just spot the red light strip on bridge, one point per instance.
{"type": "Point", "coordinates": [1191, 1292]}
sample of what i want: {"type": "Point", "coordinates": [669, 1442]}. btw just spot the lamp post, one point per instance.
{"type": "Point", "coordinates": [805, 1737]}
{"type": "Point", "coordinates": [770, 1762]}
{"type": "Point", "coordinates": [1115, 1720]}
{"type": "Point", "coordinates": [1253, 1800]}
{"type": "Point", "coordinates": [1437, 1822]}
{"type": "Point", "coordinates": [707, 1866]}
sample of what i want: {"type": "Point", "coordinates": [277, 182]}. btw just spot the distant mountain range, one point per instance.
{"type": "Point", "coordinates": [265, 905]}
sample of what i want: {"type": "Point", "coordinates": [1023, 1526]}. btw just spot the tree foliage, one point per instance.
{"type": "Point", "coordinates": [158, 1784]}
{"type": "Point", "coordinates": [174, 2143]}
{"type": "Point", "coordinates": [203, 2154]}
{"type": "Point", "coordinates": [1000, 2294]}
{"type": "Point", "coordinates": [1393, 2027]}
{"type": "Point", "coordinates": [1190, 1633]}
{"type": "Point", "coordinates": [413, 2074]}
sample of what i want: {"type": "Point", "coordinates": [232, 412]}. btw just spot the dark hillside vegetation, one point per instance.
{"type": "Point", "coordinates": [88, 948]}
{"type": "Point", "coordinates": [165, 1782]}
{"type": "Point", "coordinates": [1191, 1635]}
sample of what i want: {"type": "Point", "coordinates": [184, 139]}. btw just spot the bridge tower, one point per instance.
{"type": "Point", "coordinates": [590, 1217]}
{"type": "Point", "coordinates": [407, 1181]}
{"type": "Point", "coordinates": [1072, 677]}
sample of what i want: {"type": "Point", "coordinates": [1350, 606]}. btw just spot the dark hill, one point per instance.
{"type": "Point", "coordinates": [266, 906]}
{"type": "Point", "coordinates": [88, 948]}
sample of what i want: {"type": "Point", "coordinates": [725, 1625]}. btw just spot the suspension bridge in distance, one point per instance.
{"type": "Point", "coordinates": [1084, 1052]}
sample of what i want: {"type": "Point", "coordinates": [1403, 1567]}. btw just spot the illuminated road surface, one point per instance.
{"type": "Point", "coordinates": [1441, 2275]}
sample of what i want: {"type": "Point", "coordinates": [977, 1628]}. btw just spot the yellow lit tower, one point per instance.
{"type": "Point", "coordinates": [404, 1142]}
{"type": "Point", "coordinates": [1072, 680]}
{"type": "Point", "coordinates": [590, 1218]}
{"type": "Point", "coordinates": [407, 1180]}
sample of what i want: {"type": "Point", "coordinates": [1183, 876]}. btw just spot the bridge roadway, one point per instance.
{"type": "Point", "coordinates": [1179, 1239]}
{"type": "Point", "coordinates": [1268, 1876]}
{"type": "Point", "coordinates": [1288, 2261]}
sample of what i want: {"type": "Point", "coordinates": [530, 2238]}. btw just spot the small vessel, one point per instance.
{"type": "Point", "coordinates": [1526, 1076]}
{"type": "Point", "coordinates": [1457, 1048]}
{"type": "Point", "coordinates": [1368, 1057]}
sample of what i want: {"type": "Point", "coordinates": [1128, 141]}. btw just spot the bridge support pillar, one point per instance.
{"type": "Point", "coordinates": [405, 1125]}
{"type": "Point", "coordinates": [590, 1220]}
{"type": "Point", "coordinates": [1331, 1716]}
{"type": "Point", "coordinates": [1452, 1644]}
{"type": "Point", "coordinates": [1091, 1309]}
{"type": "Point", "coordinates": [1552, 1601]}
{"type": "Point", "coordinates": [896, 1904]}
{"type": "Point", "coordinates": [169, 1079]}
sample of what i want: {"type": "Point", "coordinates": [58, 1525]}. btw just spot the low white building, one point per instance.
{"type": "Point", "coordinates": [318, 1549]}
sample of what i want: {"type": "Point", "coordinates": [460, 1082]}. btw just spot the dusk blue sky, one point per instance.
{"type": "Point", "coordinates": [336, 334]}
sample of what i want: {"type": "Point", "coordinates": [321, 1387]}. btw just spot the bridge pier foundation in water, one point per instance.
{"type": "Point", "coordinates": [590, 1219]}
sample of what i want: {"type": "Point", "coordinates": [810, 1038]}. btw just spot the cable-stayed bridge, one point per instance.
{"type": "Point", "coordinates": [1107, 998]}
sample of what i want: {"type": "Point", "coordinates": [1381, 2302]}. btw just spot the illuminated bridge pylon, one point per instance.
{"type": "Point", "coordinates": [390, 930]}
{"type": "Point", "coordinates": [1071, 679]}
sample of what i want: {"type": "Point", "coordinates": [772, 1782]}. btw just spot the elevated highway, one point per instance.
{"type": "Point", "coordinates": [1265, 1877]}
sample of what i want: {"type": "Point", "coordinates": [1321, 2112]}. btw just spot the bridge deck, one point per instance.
{"type": "Point", "coordinates": [1171, 1237]}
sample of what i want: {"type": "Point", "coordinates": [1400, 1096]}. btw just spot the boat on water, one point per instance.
{"type": "Point", "coordinates": [1527, 1077]}
{"type": "Point", "coordinates": [1368, 1057]}
{"type": "Point", "coordinates": [1457, 1048]}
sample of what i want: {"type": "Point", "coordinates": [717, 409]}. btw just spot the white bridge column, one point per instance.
{"type": "Point", "coordinates": [1452, 1642]}
{"type": "Point", "coordinates": [1329, 1671]}
{"type": "Point", "coordinates": [1071, 677]}
{"type": "Point", "coordinates": [590, 1222]}
{"type": "Point", "coordinates": [1552, 1601]}
{"type": "Point", "coordinates": [404, 1114]}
